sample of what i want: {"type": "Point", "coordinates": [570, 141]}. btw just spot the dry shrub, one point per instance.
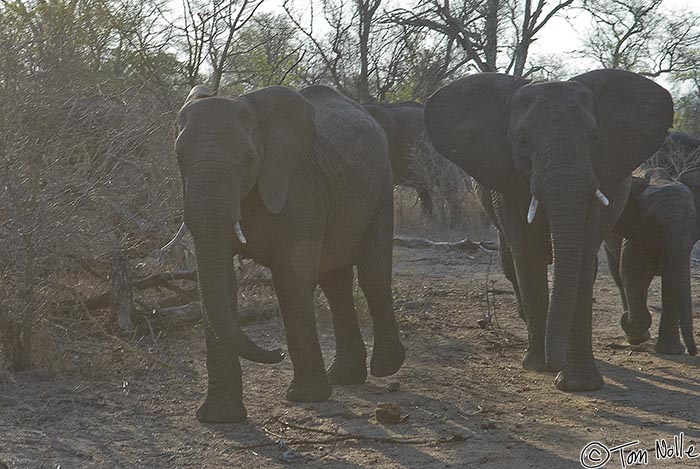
{"type": "Point", "coordinates": [82, 175]}
{"type": "Point", "coordinates": [673, 157]}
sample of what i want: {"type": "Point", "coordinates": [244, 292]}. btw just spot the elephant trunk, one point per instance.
{"type": "Point", "coordinates": [675, 291]}
{"type": "Point", "coordinates": [567, 208]}
{"type": "Point", "coordinates": [210, 215]}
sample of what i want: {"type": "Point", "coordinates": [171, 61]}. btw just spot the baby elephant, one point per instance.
{"type": "Point", "coordinates": [655, 236]}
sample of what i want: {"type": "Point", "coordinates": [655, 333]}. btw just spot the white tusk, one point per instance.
{"type": "Point", "coordinates": [176, 239]}
{"type": "Point", "coordinates": [532, 211]}
{"type": "Point", "coordinates": [239, 234]}
{"type": "Point", "coordinates": [603, 200]}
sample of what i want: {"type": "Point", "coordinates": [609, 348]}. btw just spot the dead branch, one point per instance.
{"type": "Point", "coordinates": [464, 245]}
{"type": "Point", "coordinates": [123, 343]}
{"type": "Point", "coordinates": [191, 313]}
{"type": "Point", "coordinates": [336, 436]}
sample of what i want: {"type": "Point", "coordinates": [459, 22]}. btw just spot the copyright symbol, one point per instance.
{"type": "Point", "coordinates": [594, 455]}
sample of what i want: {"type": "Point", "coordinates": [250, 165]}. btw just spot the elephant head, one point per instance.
{"type": "Point", "coordinates": [562, 145]}
{"type": "Point", "coordinates": [227, 149]}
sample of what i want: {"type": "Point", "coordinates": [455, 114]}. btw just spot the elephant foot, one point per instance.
{"type": "Point", "coordinates": [221, 411]}
{"type": "Point", "coordinates": [387, 357]}
{"type": "Point", "coordinates": [669, 346]}
{"type": "Point", "coordinates": [348, 370]}
{"type": "Point", "coordinates": [579, 377]}
{"type": "Point", "coordinates": [534, 361]}
{"type": "Point", "coordinates": [314, 389]}
{"type": "Point", "coordinates": [636, 333]}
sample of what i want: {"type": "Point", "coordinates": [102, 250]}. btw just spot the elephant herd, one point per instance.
{"type": "Point", "coordinates": [301, 182]}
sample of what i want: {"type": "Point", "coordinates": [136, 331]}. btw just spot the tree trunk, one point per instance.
{"type": "Point", "coordinates": [121, 298]}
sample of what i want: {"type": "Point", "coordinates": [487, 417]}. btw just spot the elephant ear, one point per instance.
{"type": "Point", "coordinates": [287, 132]}
{"type": "Point", "coordinates": [633, 114]}
{"type": "Point", "coordinates": [630, 222]}
{"type": "Point", "coordinates": [467, 122]}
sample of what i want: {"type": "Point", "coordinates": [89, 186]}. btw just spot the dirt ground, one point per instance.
{"type": "Point", "coordinates": [464, 398]}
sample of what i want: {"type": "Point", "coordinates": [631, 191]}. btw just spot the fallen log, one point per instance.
{"type": "Point", "coordinates": [191, 313]}
{"type": "Point", "coordinates": [466, 244]}
{"type": "Point", "coordinates": [102, 300]}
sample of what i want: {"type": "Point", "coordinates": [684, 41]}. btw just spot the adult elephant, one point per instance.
{"type": "Point", "coordinates": [414, 162]}
{"type": "Point", "coordinates": [306, 179]}
{"type": "Point", "coordinates": [565, 150]}
{"type": "Point", "coordinates": [655, 236]}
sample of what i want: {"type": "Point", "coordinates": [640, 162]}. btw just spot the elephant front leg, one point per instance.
{"type": "Point", "coordinates": [224, 402]}
{"type": "Point", "coordinates": [580, 372]}
{"type": "Point", "coordinates": [296, 299]}
{"type": "Point", "coordinates": [613, 247]}
{"type": "Point", "coordinates": [637, 272]}
{"type": "Point", "coordinates": [528, 274]}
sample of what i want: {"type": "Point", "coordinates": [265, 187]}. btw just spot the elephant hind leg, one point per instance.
{"type": "Point", "coordinates": [350, 362]}
{"type": "Point", "coordinates": [374, 276]}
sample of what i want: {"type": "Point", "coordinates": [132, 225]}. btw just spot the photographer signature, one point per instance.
{"type": "Point", "coordinates": [596, 455]}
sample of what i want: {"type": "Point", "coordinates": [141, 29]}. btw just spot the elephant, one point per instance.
{"type": "Point", "coordinates": [655, 236]}
{"type": "Point", "coordinates": [677, 153]}
{"type": "Point", "coordinates": [552, 163]}
{"type": "Point", "coordinates": [412, 160]}
{"type": "Point", "coordinates": [301, 183]}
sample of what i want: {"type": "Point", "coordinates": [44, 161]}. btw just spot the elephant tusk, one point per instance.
{"type": "Point", "coordinates": [603, 200]}
{"type": "Point", "coordinates": [176, 239]}
{"type": "Point", "coordinates": [239, 234]}
{"type": "Point", "coordinates": [532, 211]}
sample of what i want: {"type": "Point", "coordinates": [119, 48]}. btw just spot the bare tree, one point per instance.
{"type": "Point", "coordinates": [267, 52]}
{"type": "Point", "coordinates": [637, 35]}
{"type": "Point", "coordinates": [359, 54]}
{"type": "Point", "coordinates": [482, 27]}
{"type": "Point", "coordinates": [208, 32]}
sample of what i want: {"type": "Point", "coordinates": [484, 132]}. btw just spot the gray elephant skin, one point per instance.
{"type": "Point", "coordinates": [559, 155]}
{"type": "Point", "coordinates": [655, 236]}
{"type": "Point", "coordinates": [404, 125]}
{"type": "Point", "coordinates": [307, 179]}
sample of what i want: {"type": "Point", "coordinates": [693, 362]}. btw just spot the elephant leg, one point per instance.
{"type": "Point", "coordinates": [612, 253]}
{"type": "Point", "coordinates": [224, 402]}
{"type": "Point", "coordinates": [350, 362]}
{"type": "Point", "coordinates": [580, 372]}
{"type": "Point", "coordinates": [374, 277]}
{"type": "Point", "coordinates": [637, 272]}
{"type": "Point", "coordinates": [509, 271]}
{"type": "Point", "coordinates": [531, 274]}
{"type": "Point", "coordinates": [296, 298]}
{"type": "Point", "coordinates": [675, 301]}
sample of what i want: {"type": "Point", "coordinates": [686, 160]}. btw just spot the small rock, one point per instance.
{"type": "Point", "coordinates": [484, 323]}
{"type": "Point", "coordinates": [392, 387]}
{"type": "Point", "coordinates": [488, 425]}
{"type": "Point", "coordinates": [387, 413]}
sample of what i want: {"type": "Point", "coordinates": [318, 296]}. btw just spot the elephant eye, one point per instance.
{"type": "Point", "coordinates": [522, 141]}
